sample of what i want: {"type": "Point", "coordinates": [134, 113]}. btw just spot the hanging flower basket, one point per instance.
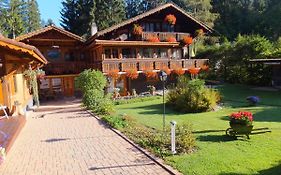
{"type": "Point", "coordinates": [113, 74]}
{"type": "Point", "coordinates": [137, 29]}
{"type": "Point", "coordinates": [166, 70]}
{"type": "Point", "coordinates": [171, 39]}
{"type": "Point", "coordinates": [132, 74]}
{"type": "Point", "coordinates": [199, 32]}
{"type": "Point", "coordinates": [187, 40]}
{"type": "Point", "coordinates": [194, 71]}
{"type": "Point", "coordinates": [153, 39]}
{"type": "Point", "coordinates": [179, 71]}
{"type": "Point", "coordinates": [171, 19]}
{"type": "Point", "coordinates": [240, 124]}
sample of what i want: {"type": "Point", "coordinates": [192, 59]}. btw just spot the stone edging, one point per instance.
{"type": "Point", "coordinates": [155, 159]}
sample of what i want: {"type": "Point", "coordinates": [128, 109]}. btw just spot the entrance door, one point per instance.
{"type": "Point", "coordinates": [68, 86]}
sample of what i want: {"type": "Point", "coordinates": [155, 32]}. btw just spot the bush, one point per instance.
{"type": "Point", "coordinates": [91, 79]}
{"type": "Point", "coordinates": [92, 84]}
{"type": "Point", "coordinates": [192, 96]}
{"type": "Point", "coordinates": [185, 140]}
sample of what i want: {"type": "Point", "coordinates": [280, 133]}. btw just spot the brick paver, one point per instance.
{"type": "Point", "coordinates": [70, 141]}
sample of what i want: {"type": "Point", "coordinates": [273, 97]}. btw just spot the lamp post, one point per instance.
{"type": "Point", "coordinates": [163, 77]}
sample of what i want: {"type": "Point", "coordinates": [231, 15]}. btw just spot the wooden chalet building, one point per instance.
{"type": "Point", "coordinates": [149, 42]}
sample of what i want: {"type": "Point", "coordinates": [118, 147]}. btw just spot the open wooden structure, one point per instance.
{"type": "Point", "coordinates": [155, 45]}
{"type": "Point", "coordinates": [15, 58]}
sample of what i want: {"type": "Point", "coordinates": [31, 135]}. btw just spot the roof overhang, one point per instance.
{"type": "Point", "coordinates": [48, 28]}
{"type": "Point", "coordinates": [271, 61]}
{"type": "Point", "coordinates": [23, 48]}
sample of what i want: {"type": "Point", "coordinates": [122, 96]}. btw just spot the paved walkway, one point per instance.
{"type": "Point", "coordinates": [65, 140]}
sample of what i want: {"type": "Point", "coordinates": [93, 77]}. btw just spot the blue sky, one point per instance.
{"type": "Point", "coordinates": [50, 9]}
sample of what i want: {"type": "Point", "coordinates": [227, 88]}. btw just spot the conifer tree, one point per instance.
{"type": "Point", "coordinates": [77, 16]}
{"type": "Point", "coordinates": [32, 16]}
{"type": "Point", "coordinates": [109, 12]}
{"type": "Point", "coordinates": [12, 23]}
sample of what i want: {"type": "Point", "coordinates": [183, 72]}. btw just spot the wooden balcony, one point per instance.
{"type": "Point", "coordinates": [65, 68]}
{"type": "Point", "coordinates": [164, 35]}
{"type": "Point", "coordinates": [122, 65]}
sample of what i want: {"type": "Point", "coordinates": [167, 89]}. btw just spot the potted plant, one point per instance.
{"type": "Point", "coordinates": [151, 89]}
{"type": "Point", "coordinates": [240, 123]}
{"type": "Point", "coordinates": [137, 29]}
{"type": "Point", "coordinates": [171, 19]}
{"type": "Point", "coordinates": [187, 40]}
{"type": "Point", "coordinates": [150, 74]}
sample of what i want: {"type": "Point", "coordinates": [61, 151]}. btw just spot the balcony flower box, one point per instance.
{"type": "Point", "coordinates": [171, 39]}
{"type": "Point", "coordinates": [153, 39]}
{"type": "Point", "coordinates": [132, 74]}
{"type": "Point", "coordinates": [113, 74]}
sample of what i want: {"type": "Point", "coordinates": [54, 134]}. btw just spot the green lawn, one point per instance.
{"type": "Point", "coordinates": [218, 154]}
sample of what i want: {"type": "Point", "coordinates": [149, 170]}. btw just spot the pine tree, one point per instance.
{"type": "Point", "coordinates": [32, 16]}
{"type": "Point", "coordinates": [77, 16]}
{"type": "Point", "coordinates": [132, 8]}
{"type": "Point", "coordinates": [200, 9]}
{"type": "Point", "coordinates": [109, 12]}
{"type": "Point", "coordinates": [12, 23]}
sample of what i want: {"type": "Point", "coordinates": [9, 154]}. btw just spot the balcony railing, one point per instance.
{"type": "Point", "coordinates": [65, 68]}
{"type": "Point", "coordinates": [123, 65]}
{"type": "Point", "coordinates": [164, 35]}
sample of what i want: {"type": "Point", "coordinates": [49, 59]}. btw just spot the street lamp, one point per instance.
{"type": "Point", "coordinates": [163, 77]}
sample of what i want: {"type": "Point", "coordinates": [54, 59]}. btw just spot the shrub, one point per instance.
{"type": "Point", "coordinates": [92, 84]}
{"type": "Point", "coordinates": [185, 139]}
{"type": "Point", "coordinates": [192, 96]}
{"type": "Point", "coordinates": [91, 79]}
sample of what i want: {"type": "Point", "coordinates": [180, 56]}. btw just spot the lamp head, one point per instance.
{"type": "Point", "coordinates": [163, 76]}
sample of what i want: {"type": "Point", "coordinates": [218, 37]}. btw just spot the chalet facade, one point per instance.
{"type": "Point", "coordinates": [15, 58]}
{"type": "Point", "coordinates": [160, 39]}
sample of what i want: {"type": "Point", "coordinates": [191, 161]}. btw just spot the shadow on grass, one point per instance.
{"type": "Point", "coordinates": [155, 109]}
{"type": "Point", "coordinates": [276, 170]}
{"type": "Point", "coordinates": [216, 138]}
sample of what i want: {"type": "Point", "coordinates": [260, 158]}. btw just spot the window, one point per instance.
{"type": "Point", "coordinates": [168, 28]}
{"type": "Point", "coordinates": [149, 27]}
{"type": "Point", "coordinates": [163, 53]}
{"type": "Point", "coordinates": [53, 54]}
{"type": "Point", "coordinates": [176, 53]}
{"type": "Point", "coordinates": [115, 53]}
{"type": "Point", "coordinates": [147, 53]}
{"type": "Point", "coordinates": [107, 53]}
{"type": "Point", "coordinates": [69, 56]}
{"type": "Point", "coordinates": [128, 53]}
{"type": "Point", "coordinates": [157, 27]}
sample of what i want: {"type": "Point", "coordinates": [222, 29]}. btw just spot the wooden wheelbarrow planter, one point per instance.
{"type": "Point", "coordinates": [238, 129]}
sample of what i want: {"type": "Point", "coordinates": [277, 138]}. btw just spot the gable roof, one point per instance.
{"type": "Point", "coordinates": [48, 28]}
{"type": "Point", "coordinates": [24, 48]}
{"type": "Point", "coordinates": [148, 13]}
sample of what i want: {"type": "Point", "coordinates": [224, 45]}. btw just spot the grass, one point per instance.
{"type": "Point", "coordinates": [218, 154]}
